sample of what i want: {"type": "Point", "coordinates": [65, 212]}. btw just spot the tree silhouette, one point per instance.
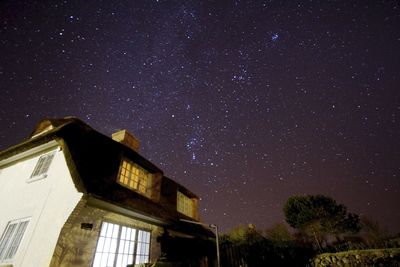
{"type": "Point", "coordinates": [318, 216]}
{"type": "Point", "coordinates": [279, 232]}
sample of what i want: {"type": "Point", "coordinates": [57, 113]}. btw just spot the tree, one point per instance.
{"type": "Point", "coordinates": [246, 246]}
{"type": "Point", "coordinates": [372, 234]}
{"type": "Point", "coordinates": [245, 235]}
{"type": "Point", "coordinates": [319, 216]}
{"type": "Point", "coordinates": [279, 232]}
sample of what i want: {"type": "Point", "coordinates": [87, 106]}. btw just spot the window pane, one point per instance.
{"type": "Point", "coordinates": [121, 249]}
{"type": "Point", "coordinates": [130, 259]}
{"type": "Point", "coordinates": [6, 238]}
{"type": "Point", "coordinates": [125, 261]}
{"type": "Point", "coordinates": [123, 232]}
{"type": "Point", "coordinates": [107, 245]}
{"type": "Point", "coordinates": [17, 239]}
{"type": "Point", "coordinates": [110, 260]}
{"type": "Point", "coordinates": [97, 260]}
{"type": "Point", "coordinates": [143, 247]}
{"type": "Point", "coordinates": [147, 237]}
{"type": "Point", "coordinates": [103, 229]}
{"type": "Point", "coordinates": [12, 238]}
{"type": "Point", "coordinates": [109, 230]}
{"type": "Point", "coordinates": [119, 261]}
{"type": "Point", "coordinates": [115, 231]}
{"type": "Point", "coordinates": [184, 204]}
{"type": "Point", "coordinates": [113, 245]}
{"type": "Point", "coordinates": [100, 245]}
{"type": "Point", "coordinates": [104, 257]}
{"type": "Point", "coordinates": [121, 245]}
{"type": "Point", "coordinates": [131, 247]}
{"type": "Point", "coordinates": [42, 165]}
{"type": "Point", "coordinates": [129, 233]}
{"type": "Point", "coordinates": [134, 176]}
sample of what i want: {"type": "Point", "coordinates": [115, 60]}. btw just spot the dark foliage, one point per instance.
{"type": "Point", "coordinates": [333, 218]}
{"type": "Point", "coordinates": [255, 250]}
{"type": "Point", "coordinates": [322, 226]}
{"type": "Point", "coordinates": [388, 262]}
{"type": "Point", "coordinates": [319, 218]}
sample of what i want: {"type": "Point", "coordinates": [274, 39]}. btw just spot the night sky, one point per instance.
{"type": "Point", "coordinates": [244, 102]}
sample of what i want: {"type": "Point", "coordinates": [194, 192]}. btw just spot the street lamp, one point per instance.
{"type": "Point", "coordinates": [213, 226]}
{"type": "Point", "coordinates": [216, 241]}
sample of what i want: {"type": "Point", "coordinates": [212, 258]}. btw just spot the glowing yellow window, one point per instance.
{"type": "Point", "coordinates": [184, 204]}
{"type": "Point", "coordinates": [134, 177]}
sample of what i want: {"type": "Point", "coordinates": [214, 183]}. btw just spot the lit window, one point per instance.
{"type": "Point", "coordinates": [134, 177]}
{"type": "Point", "coordinates": [119, 246]}
{"type": "Point", "coordinates": [42, 166]}
{"type": "Point", "coordinates": [11, 239]}
{"type": "Point", "coordinates": [184, 204]}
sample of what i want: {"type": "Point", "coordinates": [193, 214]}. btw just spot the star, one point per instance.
{"type": "Point", "coordinates": [230, 100]}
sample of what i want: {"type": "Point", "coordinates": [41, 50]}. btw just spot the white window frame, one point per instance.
{"type": "Point", "coordinates": [11, 240]}
{"type": "Point", "coordinates": [42, 167]}
{"type": "Point", "coordinates": [120, 245]}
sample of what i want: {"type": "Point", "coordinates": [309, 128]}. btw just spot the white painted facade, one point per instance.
{"type": "Point", "coordinates": [47, 202]}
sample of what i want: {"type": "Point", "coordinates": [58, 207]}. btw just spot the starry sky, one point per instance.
{"type": "Point", "coordinates": [244, 102]}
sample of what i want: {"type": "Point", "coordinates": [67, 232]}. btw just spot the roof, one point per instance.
{"type": "Point", "coordinates": [94, 160]}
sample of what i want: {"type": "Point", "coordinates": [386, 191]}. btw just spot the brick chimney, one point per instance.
{"type": "Point", "coordinates": [126, 138]}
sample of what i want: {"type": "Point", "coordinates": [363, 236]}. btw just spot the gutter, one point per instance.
{"type": "Point", "coordinates": [99, 203]}
{"type": "Point", "coordinates": [46, 146]}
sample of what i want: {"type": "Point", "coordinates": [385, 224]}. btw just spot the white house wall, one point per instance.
{"type": "Point", "coordinates": [47, 202]}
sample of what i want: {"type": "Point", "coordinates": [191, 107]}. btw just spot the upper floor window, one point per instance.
{"type": "Point", "coordinates": [119, 246]}
{"type": "Point", "coordinates": [11, 239]}
{"type": "Point", "coordinates": [42, 166]}
{"type": "Point", "coordinates": [184, 204]}
{"type": "Point", "coordinates": [134, 177]}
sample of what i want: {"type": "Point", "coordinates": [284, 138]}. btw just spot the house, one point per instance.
{"type": "Point", "coordinates": [71, 196]}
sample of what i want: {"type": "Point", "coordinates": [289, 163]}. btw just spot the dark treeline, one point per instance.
{"type": "Point", "coordinates": [314, 225]}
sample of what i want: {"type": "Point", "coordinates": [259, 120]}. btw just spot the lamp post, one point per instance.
{"type": "Point", "coordinates": [216, 241]}
{"type": "Point", "coordinates": [213, 226]}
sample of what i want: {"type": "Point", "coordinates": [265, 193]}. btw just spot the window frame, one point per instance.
{"type": "Point", "coordinates": [185, 199]}
{"type": "Point", "coordinates": [42, 166]}
{"type": "Point", "coordinates": [12, 239]}
{"type": "Point", "coordinates": [122, 174]}
{"type": "Point", "coordinates": [119, 240]}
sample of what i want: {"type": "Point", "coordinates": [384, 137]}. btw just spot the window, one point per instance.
{"type": "Point", "coordinates": [42, 166]}
{"type": "Point", "coordinates": [134, 177]}
{"type": "Point", "coordinates": [184, 204]}
{"type": "Point", "coordinates": [11, 239]}
{"type": "Point", "coordinates": [119, 246]}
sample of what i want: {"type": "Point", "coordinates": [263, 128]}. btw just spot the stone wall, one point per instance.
{"type": "Point", "coordinates": [372, 257]}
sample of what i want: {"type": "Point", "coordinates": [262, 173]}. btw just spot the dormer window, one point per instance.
{"type": "Point", "coordinates": [184, 204]}
{"type": "Point", "coordinates": [134, 177]}
{"type": "Point", "coordinates": [42, 166]}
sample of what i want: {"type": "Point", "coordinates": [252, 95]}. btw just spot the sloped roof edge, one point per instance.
{"type": "Point", "coordinates": [40, 135]}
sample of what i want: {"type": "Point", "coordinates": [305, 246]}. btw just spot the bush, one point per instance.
{"type": "Point", "coordinates": [248, 246]}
